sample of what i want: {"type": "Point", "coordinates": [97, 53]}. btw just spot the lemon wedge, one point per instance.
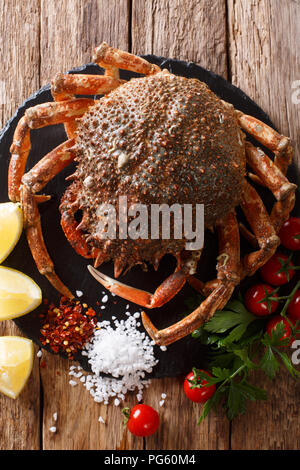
{"type": "Point", "coordinates": [19, 294]}
{"type": "Point", "coordinates": [16, 361]}
{"type": "Point", "coordinates": [11, 225]}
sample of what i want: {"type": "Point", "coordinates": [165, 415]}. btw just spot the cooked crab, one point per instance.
{"type": "Point", "coordinates": [157, 139]}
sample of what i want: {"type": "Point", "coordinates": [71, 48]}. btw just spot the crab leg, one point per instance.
{"type": "Point", "coordinates": [268, 137]}
{"type": "Point", "coordinates": [34, 118]}
{"type": "Point", "coordinates": [165, 292]}
{"type": "Point", "coordinates": [268, 172]}
{"type": "Point", "coordinates": [32, 224]}
{"type": "Point", "coordinates": [19, 149]}
{"type": "Point", "coordinates": [66, 86]}
{"type": "Point", "coordinates": [228, 277]}
{"type": "Point", "coordinates": [262, 227]}
{"type": "Point", "coordinates": [54, 162]}
{"type": "Point", "coordinates": [109, 58]}
{"type": "Point", "coordinates": [271, 176]}
{"type": "Point", "coordinates": [70, 226]}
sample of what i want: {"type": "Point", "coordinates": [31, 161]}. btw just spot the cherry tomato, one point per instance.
{"type": "Point", "coordinates": [294, 306]}
{"type": "Point", "coordinates": [198, 395]}
{"type": "Point", "coordinates": [143, 420]}
{"type": "Point", "coordinates": [271, 325]}
{"type": "Point", "coordinates": [257, 299]}
{"type": "Point", "coordinates": [277, 270]}
{"type": "Point", "coordinates": [290, 234]}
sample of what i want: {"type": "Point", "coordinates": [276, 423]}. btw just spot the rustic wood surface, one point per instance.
{"type": "Point", "coordinates": [254, 43]}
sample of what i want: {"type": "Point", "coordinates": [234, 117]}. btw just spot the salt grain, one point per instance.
{"type": "Point", "coordinates": [73, 383]}
{"type": "Point", "coordinates": [105, 298]}
{"type": "Point", "coordinates": [39, 353]}
{"type": "Point", "coordinates": [101, 420]}
{"type": "Point", "coordinates": [161, 402]}
{"type": "Point", "coordinates": [52, 429]}
{"type": "Point", "coordinates": [79, 293]}
{"type": "Point", "coordinates": [55, 416]}
{"type": "Point", "coordinates": [122, 351]}
{"type": "Point", "coordinates": [163, 395]}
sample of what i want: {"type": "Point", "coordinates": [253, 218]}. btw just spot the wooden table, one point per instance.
{"type": "Point", "coordinates": [254, 44]}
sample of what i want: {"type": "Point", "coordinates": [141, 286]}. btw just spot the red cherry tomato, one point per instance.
{"type": "Point", "coordinates": [271, 325]}
{"type": "Point", "coordinates": [143, 420]}
{"type": "Point", "coordinates": [294, 306]}
{"type": "Point", "coordinates": [288, 233]}
{"type": "Point", "coordinates": [278, 270]}
{"type": "Point", "coordinates": [198, 395]}
{"type": "Point", "coordinates": [257, 299]}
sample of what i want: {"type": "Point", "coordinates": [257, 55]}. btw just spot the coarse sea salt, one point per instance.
{"type": "Point", "coordinates": [119, 349]}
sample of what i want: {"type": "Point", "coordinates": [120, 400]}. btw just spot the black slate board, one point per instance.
{"type": "Point", "coordinates": [186, 353]}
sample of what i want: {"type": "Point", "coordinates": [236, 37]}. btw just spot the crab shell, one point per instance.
{"type": "Point", "coordinates": [156, 139]}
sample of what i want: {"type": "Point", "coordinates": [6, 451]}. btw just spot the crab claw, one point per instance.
{"type": "Point", "coordinates": [165, 292]}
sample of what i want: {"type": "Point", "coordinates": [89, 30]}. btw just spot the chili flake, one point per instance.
{"type": "Point", "coordinates": [68, 327]}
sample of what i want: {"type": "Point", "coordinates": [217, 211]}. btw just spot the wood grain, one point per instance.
{"type": "Point", "coordinates": [71, 29]}
{"type": "Point", "coordinates": [264, 57]}
{"type": "Point", "coordinates": [265, 61]}
{"type": "Point", "coordinates": [19, 77]}
{"type": "Point", "coordinates": [190, 30]}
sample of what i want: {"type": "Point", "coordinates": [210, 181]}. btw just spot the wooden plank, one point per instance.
{"type": "Point", "coordinates": [182, 29]}
{"type": "Point", "coordinates": [85, 25]}
{"type": "Point", "coordinates": [19, 54]}
{"type": "Point", "coordinates": [72, 29]}
{"type": "Point", "coordinates": [168, 28]}
{"type": "Point", "coordinates": [178, 428]}
{"type": "Point", "coordinates": [19, 77]}
{"type": "Point", "coordinates": [264, 59]}
{"type": "Point", "coordinates": [77, 425]}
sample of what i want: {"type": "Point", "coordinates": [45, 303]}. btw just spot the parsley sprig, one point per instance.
{"type": "Point", "coordinates": [239, 345]}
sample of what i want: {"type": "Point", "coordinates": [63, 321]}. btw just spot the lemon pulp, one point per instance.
{"type": "Point", "coordinates": [16, 361]}
{"type": "Point", "coordinates": [11, 225]}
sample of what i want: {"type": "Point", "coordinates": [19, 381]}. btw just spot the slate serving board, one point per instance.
{"type": "Point", "coordinates": [71, 268]}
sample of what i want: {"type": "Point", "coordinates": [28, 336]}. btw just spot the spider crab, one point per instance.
{"type": "Point", "coordinates": [157, 138]}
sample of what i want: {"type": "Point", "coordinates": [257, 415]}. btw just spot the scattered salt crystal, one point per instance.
{"type": "Point", "coordinates": [127, 306]}
{"type": "Point", "coordinates": [101, 420]}
{"type": "Point", "coordinates": [55, 416]}
{"type": "Point", "coordinates": [82, 379]}
{"type": "Point", "coordinates": [52, 429]}
{"type": "Point", "coordinates": [116, 402]}
{"type": "Point", "coordinates": [137, 315]}
{"type": "Point", "coordinates": [102, 307]}
{"type": "Point", "coordinates": [163, 348]}
{"type": "Point", "coordinates": [39, 353]}
{"type": "Point", "coordinates": [161, 402]}
{"type": "Point", "coordinates": [105, 298]}
{"type": "Point", "coordinates": [163, 395]}
{"type": "Point", "coordinates": [79, 293]}
{"type": "Point", "coordinates": [139, 397]}
{"type": "Point", "coordinates": [72, 382]}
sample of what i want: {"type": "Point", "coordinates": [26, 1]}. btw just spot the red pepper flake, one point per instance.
{"type": "Point", "coordinates": [43, 364]}
{"type": "Point", "coordinates": [68, 327]}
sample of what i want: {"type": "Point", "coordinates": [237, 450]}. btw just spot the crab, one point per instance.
{"type": "Point", "coordinates": [157, 138]}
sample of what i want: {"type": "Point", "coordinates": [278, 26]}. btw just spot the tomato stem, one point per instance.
{"type": "Point", "coordinates": [283, 311]}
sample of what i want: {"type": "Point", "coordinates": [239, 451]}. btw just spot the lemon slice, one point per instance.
{"type": "Point", "coordinates": [19, 294]}
{"type": "Point", "coordinates": [11, 225]}
{"type": "Point", "coordinates": [16, 361]}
